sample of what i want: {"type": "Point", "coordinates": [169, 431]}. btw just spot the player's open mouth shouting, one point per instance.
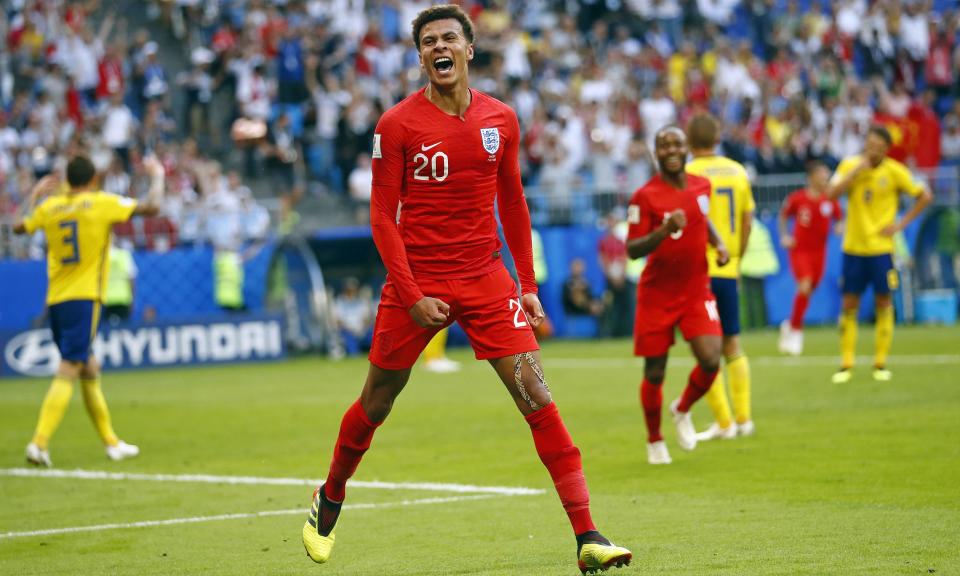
{"type": "Point", "coordinates": [443, 64]}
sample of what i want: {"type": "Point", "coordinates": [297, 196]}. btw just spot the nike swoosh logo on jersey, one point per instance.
{"type": "Point", "coordinates": [424, 147]}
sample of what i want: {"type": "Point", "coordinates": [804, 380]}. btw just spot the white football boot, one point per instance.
{"type": "Point", "coordinates": [657, 453]}
{"type": "Point", "coordinates": [122, 451]}
{"type": "Point", "coordinates": [686, 433]}
{"type": "Point", "coordinates": [715, 431]}
{"type": "Point", "coordinates": [442, 366]}
{"type": "Point", "coordinates": [745, 429]}
{"type": "Point", "coordinates": [37, 456]}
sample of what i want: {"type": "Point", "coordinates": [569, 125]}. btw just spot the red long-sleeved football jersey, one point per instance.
{"type": "Point", "coordinates": [435, 177]}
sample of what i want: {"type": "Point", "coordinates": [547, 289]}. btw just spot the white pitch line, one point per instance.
{"type": "Point", "coordinates": [265, 481]}
{"type": "Point", "coordinates": [240, 516]}
{"type": "Point", "coordinates": [832, 360]}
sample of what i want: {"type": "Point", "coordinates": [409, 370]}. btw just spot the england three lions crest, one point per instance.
{"type": "Point", "coordinates": [491, 139]}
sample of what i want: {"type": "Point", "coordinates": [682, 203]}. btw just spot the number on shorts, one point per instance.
{"type": "Point", "coordinates": [517, 322]}
{"type": "Point", "coordinates": [712, 313]}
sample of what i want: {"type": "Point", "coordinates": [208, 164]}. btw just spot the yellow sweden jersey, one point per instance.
{"type": "Point", "coordinates": [77, 227]}
{"type": "Point", "coordinates": [730, 198]}
{"type": "Point", "coordinates": [872, 204]}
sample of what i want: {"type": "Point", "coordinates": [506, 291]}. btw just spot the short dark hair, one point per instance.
{"type": "Point", "coordinates": [703, 131]}
{"type": "Point", "coordinates": [882, 132]}
{"type": "Point", "coordinates": [80, 171]}
{"type": "Point", "coordinates": [814, 165]}
{"type": "Point", "coordinates": [442, 12]}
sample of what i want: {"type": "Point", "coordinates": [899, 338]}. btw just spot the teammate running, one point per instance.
{"type": "Point", "coordinates": [813, 216]}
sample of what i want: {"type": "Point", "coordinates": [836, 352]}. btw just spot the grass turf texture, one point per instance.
{"type": "Point", "coordinates": [854, 479]}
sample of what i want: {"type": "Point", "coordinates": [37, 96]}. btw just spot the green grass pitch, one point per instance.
{"type": "Point", "coordinates": [862, 478]}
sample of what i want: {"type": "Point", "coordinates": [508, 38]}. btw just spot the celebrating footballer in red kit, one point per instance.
{"type": "Point", "coordinates": [441, 158]}
{"type": "Point", "coordinates": [813, 213]}
{"type": "Point", "coordinates": [669, 225]}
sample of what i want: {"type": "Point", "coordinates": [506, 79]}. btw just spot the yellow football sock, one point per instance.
{"type": "Point", "coordinates": [97, 408]}
{"type": "Point", "coordinates": [883, 335]}
{"type": "Point", "coordinates": [436, 349]}
{"type": "Point", "coordinates": [54, 406]}
{"type": "Point", "coordinates": [739, 369]}
{"type": "Point", "coordinates": [717, 400]}
{"type": "Point", "coordinates": [848, 337]}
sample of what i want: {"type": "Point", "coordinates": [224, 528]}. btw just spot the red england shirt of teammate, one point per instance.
{"type": "Point", "coordinates": [813, 217]}
{"type": "Point", "coordinates": [677, 268]}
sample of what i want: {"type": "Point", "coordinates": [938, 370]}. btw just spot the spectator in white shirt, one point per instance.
{"type": "Point", "coordinates": [119, 127]}
{"type": "Point", "coordinates": [361, 180]}
{"type": "Point", "coordinates": [657, 111]}
{"type": "Point", "coordinates": [915, 31]}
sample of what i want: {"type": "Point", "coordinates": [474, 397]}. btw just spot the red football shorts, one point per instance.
{"type": "Point", "coordinates": [487, 308]}
{"type": "Point", "coordinates": [807, 264]}
{"type": "Point", "coordinates": [657, 318]}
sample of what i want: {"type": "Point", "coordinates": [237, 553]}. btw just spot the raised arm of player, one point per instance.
{"type": "Point", "coordinates": [846, 173]}
{"type": "Point", "coordinates": [151, 207]}
{"type": "Point", "coordinates": [44, 186]}
{"type": "Point", "coordinates": [515, 218]}
{"type": "Point", "coordinates": [723, 255]}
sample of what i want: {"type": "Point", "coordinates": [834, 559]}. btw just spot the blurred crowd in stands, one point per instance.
{"type": "Point", "coordinates": [288, 92]}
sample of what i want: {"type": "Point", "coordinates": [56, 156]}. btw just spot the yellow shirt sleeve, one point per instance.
{"type": "Point", "coordinates": [36, 219]}
{"type": "Point", "coordinates": [904, 181]}
{"type": "Point", "coordinates": [115, 208]}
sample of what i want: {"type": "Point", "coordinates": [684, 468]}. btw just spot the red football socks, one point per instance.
{"type": "Point", "coordinates": [800, 303]}
{"type": "Point", "coordinates": [697, 385]}
{"type": "Point", "coordinates": [651, 398]}
{"type": "Point", "coordinates": [562, 460]}
{"type": "Point", "coordinates": [356, 432]}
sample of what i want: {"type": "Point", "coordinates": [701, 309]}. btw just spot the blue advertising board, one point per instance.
{"type": "Point", "coordinates": [241, 338]}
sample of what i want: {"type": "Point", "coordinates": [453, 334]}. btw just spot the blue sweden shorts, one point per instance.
{"type": "Point", "coordinates": [862, 271]}
{"type": "Point", "coordinates": [728, 304]}
{"type": "Point", "coordinates": [74, 324]}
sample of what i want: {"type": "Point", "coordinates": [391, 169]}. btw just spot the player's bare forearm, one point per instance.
{"type": "Point", "coordinates": [835, 189]}
{"type": "Point", "coordinates": [712, 236]}
{"type": "Point", "coordinates": [782, 225]}
{"type": "Point", "coordinates": [44, 186]}
{"type": "Point", "coordinates": [157, 186]}
{"type": "Point", "coordinates": [644, 245]}
{"type": "Point", "coordinates": [919, 205]}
